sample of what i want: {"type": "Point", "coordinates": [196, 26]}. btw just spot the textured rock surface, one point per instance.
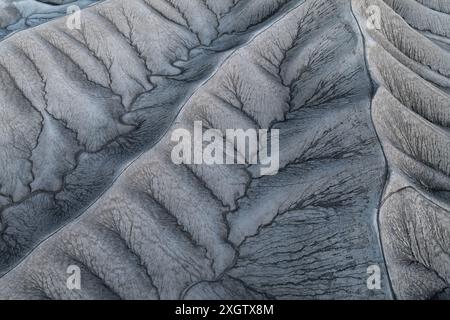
{"type": "Point", "coordinates": [409, 57]}
{"type": "Point", "coordinates": [86, 178]}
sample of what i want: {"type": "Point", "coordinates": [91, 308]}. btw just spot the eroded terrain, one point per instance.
{"type": "Point", "coordinates": [86, 118]}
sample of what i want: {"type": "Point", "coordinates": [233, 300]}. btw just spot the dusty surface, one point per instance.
{"type": "Point", "coordinates": [86, 118]}
{"type": "Point", "coordinates": [409, 59]}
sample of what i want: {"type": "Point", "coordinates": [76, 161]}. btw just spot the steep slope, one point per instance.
{"type": "Point", "coordinates": [210, 231]}
{"type": "Point", "coordinates": [77, 106]}
{"type": "Point", "coordinates": [409, 57]}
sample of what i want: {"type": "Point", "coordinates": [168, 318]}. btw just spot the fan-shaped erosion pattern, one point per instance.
{"type": "Point", "coordinates": [16, 15]}
{"type": "Point", "coordinates": [87, 118]}
{"type": "Point", "coordinates": [153, 229]}
{"type": "Point", "coordinates": [409, 57]}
